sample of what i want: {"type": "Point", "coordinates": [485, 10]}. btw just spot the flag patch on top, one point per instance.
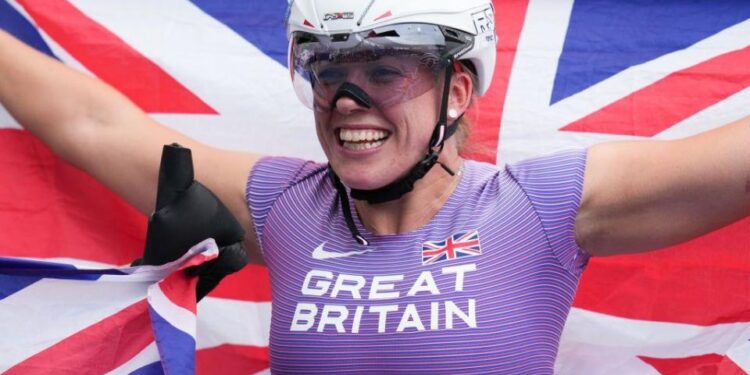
{"type": "Point", "coordinates": [459, 245]}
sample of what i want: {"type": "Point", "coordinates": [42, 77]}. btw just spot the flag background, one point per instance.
{"type": "Point", "coordinates": [53, 313]}
{"type": "Point", "coordinates": [569, 74]}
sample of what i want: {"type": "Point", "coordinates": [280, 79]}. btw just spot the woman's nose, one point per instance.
{"type": "Point", "coordinates": [347, 105]}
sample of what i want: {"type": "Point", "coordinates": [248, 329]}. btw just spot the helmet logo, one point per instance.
{"type": "Point", "coordinates": [484, 21]}
{"type": "Point", "coordinates": [338, 16]}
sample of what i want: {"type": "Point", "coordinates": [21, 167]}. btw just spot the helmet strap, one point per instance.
{"type": "Point", "coordinates": [345, 208]}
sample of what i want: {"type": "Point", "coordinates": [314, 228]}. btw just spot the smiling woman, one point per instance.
{"type": "Point", "coordinates": [439, 254]}
{"type": "Point", "coordinates": [396, 254]}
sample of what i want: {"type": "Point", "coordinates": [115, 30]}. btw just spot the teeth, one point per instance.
{"type": "Point", "coordinates": [362, 145]}
{"type": "Point", "coordinates": [351, 135]}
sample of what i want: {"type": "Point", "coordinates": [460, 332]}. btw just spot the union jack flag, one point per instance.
{"type": "Point", "coordinates": [569, 74]}
{"type": "Point", "coordinates": [55, 314]}
{"type": "Point", "coordinates": [459, 245]}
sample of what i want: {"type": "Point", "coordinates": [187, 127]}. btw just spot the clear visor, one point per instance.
{"type": "Point", "coordinates": [392, 64]}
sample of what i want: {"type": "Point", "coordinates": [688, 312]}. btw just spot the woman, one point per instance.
{"type": "Point", "coordinates": [455, 268]}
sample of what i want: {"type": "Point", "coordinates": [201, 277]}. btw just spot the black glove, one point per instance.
{"type": "Point", "coordinates": [187, 213]}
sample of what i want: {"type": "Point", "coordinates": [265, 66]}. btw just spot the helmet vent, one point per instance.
{"type": "Point", "coordinates": [389, 33]}
{"type": "Point", "coordinates": [452, 35]}
{"type": "Point", "coordinates": [339, 37]}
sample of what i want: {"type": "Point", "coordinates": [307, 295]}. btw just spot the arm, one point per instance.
{"type": "Point", "coordinates": [645, 195]}
{"type": "Point", "coordinates": [97, 129]}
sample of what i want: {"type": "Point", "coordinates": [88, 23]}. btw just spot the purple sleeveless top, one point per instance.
{"type": "Point", "coordinates": [484, 287]}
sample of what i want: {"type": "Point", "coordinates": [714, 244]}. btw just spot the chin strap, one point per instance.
{"type": "Point", "coordinates": [345, 208]}
{"type": "Point", "coordinates": [403, 185]}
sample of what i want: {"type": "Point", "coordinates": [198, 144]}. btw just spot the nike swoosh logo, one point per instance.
{"type": "Point", "coordinates": [321, 254]}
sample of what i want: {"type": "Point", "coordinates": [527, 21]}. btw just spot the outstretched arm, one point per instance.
{"type": "Point", "coordinates": [646, 195]}
{"type": "Point", "coordinates": [94, 127]}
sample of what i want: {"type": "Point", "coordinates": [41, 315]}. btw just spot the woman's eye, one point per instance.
{"type": "Point", "coordinates": [331, 76]}
{"type": "Point", "coordinates": [385, 75]}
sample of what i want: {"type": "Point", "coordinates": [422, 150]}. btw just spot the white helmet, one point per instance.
{"type": "Point", "coordinates": [468, 22]}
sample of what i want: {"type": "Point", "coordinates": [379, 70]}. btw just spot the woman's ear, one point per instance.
{"type": "Point", "coordinates": [461, 92]}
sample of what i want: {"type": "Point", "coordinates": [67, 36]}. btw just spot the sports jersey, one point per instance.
{"type": "Point", "coordinates": [484, 287]}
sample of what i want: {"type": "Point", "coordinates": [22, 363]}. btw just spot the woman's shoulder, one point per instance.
{"type": "Point", "coordinates": [551, 174]}
{"type": "Point", "coordinates": [277, 171]}
{"type": "Point", "coordinates": [561, 166]}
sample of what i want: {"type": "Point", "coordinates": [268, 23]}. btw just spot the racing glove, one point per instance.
{"type": "Point", "coordinates": [187, 213]}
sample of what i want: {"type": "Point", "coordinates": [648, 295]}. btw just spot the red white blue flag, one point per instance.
{"type": "Point", "coordinates": [459, 245]}
{"type": "Point", "coordinates": [57, 317]}
{"type": "Point", "coordinates": [569, 74]}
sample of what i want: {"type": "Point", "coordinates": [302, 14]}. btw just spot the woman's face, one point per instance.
{"type": "Point", "coordinates": [371, 147]}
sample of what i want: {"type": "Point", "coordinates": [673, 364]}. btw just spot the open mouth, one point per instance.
{"type": "Point", "coordinates": [361, 139]}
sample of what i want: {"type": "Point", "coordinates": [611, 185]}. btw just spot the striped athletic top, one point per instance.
{"type": "Point", "coordinates": [484, 287]}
